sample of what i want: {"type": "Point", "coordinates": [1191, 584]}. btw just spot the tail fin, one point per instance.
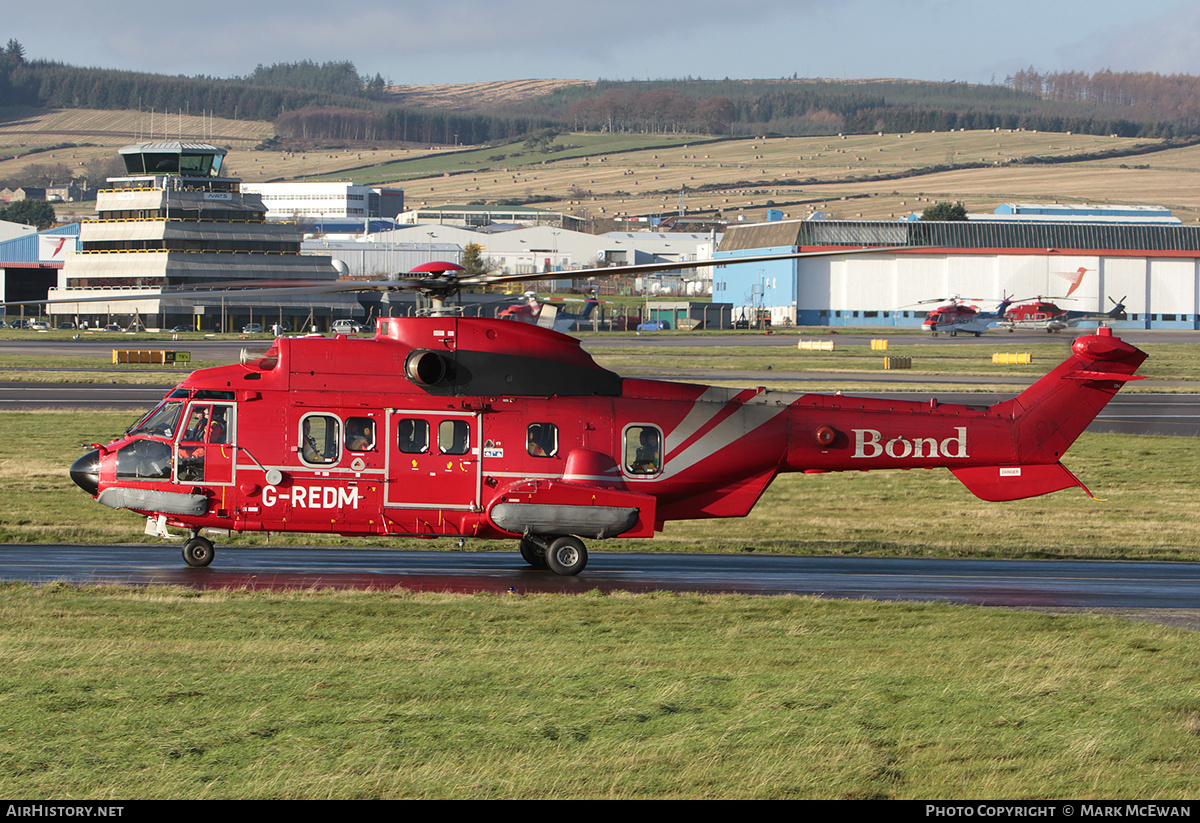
{"type": "Point", "coordinates": [1051, 414]}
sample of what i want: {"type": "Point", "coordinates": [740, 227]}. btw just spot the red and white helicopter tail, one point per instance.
{"type": "Point", "coordinates": [1049, 416]}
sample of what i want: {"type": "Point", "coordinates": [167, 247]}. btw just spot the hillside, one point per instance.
{"type": "Point", "coordinates": [848, 177]}
{"type": "Point", "coordinates": [476, 96]}
{"type": "Point", "coordinates": [608, 176]}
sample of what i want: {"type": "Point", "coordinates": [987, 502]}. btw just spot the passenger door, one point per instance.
{"type": "Point", "coordinates": [433, 460]}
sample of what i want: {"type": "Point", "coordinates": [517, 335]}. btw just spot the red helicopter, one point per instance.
{"type": "Point", "coordinates": [1042, 314]}
{"type": "Point", "coordinates": [958, 316]}
{"type": "Point", "coordinates": [548, 313]}
{"type": "Point", "coordinates": [472, 427]}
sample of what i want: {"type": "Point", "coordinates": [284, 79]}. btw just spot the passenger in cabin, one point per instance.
{"type": "Point", "coordinates": [358, 435]}
{"type": "Point", "coordinates": [406, 437]}
{"type": "Point", "coordinates": [319, 439]}
{"type": "Point", "coordinates": [541, 439]}
{"type": "Point", "coordinates": [533, 447]}
{"type": "Point", "coordinates": [647, 458]}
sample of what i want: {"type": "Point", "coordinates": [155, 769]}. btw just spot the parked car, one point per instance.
{"type": "Point", "coordinates": [181, 329]}
{"type": "Point", "coordinates": [347, 327]}
{"type": "Point", "coordinates": [252, 328]}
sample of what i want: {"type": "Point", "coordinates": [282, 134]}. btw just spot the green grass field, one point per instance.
{"type": "Point", "coordinates": [114, 693]}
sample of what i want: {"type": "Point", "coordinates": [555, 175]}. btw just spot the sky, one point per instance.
{"type": "Point", "coordinates": [461, 41]}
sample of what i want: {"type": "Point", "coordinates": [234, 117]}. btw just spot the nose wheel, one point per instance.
{"type": "Point", "coordinates": [198, 551]}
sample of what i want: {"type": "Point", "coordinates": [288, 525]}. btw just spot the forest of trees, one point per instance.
{"type": "Point", "coordinates": [332, 102]}
{"type": "Point", "coordinates": [1143, 95]}
{"type": "Point", "coordinates": [654, 110]}
{"type": "Point", "coordinates": [328, 101]}
{"type": "Point", "coordinates": [824, 107]}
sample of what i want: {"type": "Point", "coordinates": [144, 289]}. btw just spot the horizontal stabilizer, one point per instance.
{"type": "Point", "coordinates": [1104, 375]}
{"type": "Point", "coordinates": [997, 483]}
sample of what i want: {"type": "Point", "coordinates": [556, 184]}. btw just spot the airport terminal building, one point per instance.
{"type": "Point", "coordinates": [1152, 265]}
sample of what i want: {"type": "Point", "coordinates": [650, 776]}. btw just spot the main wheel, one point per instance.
{"type": "Point", "coordinates": [533, 554]}
{"type": "Point", "coordinates": [566, 555]}
{"type": "Point", "coordinates": [198, 551]}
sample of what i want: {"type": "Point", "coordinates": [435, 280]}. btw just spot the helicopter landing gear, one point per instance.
{"type": "Point", "coordinates": [533, 554]}
{"type": "Point", "coordinates": [198, 551]}
{"type": "Point", "coordinates": [565, 555]}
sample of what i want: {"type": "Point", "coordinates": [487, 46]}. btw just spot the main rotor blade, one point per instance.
{"type": "Point", "coordinates": [449, 282]}
{"type": "Point", "coordinates": [650, 268]}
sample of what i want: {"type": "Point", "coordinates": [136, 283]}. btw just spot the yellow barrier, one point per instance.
{"type": "Point", "coordinates": [1010, 358]}
{"type": "Point", "coordinates": [150, 356]}
{"type": "Point", "coordinates": [879, 345]}
{"type": "Point", "coordinates": [897, 363]}
{"type": "Point", "coordinates": [816, 345]}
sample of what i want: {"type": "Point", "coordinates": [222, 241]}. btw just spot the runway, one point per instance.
{"type": "Point", "coordinates": [1048, 584]}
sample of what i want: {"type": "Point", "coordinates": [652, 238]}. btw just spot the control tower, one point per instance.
{"type": "Point", "coordinates": [175, 223]}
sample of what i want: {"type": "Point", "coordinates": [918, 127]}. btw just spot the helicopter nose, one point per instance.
{"type": "Point", "coordinates": [86, 472]}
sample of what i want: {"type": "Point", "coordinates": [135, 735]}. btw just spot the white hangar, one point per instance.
{"type": "Point", "coordinates": [1153, 267]}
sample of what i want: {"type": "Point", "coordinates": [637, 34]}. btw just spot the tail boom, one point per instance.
{"type": "Point", "coordinates": [1051, 414]}
{"type": "Point", "coordinates": [1007, 451]}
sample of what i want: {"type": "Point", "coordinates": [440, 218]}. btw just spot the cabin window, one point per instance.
{"type": "Point", "coordinates": [319, 438]}
{"type": "Point", "coordinates": [454, 437]}
{"type": "Point", "coordinates": [541, 439]}
{"type": "Point", "coordinates": [360, 434]}
{"type": "Point", "coordinates": [643, 450]}
{"type": "Point", "coordinates": [412, 435]}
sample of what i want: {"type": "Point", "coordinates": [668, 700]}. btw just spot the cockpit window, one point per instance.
{"type": "Point", "coordinates": [144, 460]}
{"type": "Point", "coordinates": [162, 422]}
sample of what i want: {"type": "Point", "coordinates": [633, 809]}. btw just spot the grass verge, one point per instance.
{"type": "Point", "coordinates": [158, 693]}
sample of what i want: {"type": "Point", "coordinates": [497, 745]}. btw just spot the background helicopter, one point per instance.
{"type": "Point", "coordinates": [957, 316]}
{"type": "Point", "coordinates": [1039, 313]}
{"type": "Point", "coordinates": [456, 426]}
{"type": "Point", "coordinates": [549, 314]}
